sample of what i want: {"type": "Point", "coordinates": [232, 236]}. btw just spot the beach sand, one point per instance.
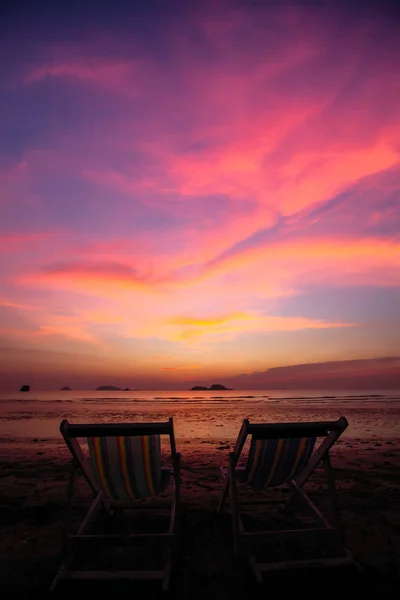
{"type": "Point", "coordinates": [34, 475]}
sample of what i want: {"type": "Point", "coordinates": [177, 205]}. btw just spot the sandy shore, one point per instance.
{"type": "Point", "coordinates": [32, 501]}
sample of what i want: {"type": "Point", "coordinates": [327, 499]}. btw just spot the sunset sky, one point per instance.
{"type": "Point", "coordinates": [191, 192]}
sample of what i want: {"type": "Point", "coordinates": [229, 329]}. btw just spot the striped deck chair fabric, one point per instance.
{"type": "Point", "coordinates": [128, 467]}
{"type": "Point", "coordinates": [273, 462]}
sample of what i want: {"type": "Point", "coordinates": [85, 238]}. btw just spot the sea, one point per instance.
{"type": "Point", "coordinates": [199, 415]}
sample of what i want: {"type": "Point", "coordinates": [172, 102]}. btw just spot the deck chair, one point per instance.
{"type": "Point", "coordinates": [122, 467]}
{"type": "Point", "coordinates": [284, 454]}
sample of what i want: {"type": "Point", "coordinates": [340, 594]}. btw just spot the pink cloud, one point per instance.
{"type": "Point", "coordinates": [104, 278]}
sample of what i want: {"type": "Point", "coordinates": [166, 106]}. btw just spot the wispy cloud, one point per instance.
{"type": "Point", "coordinates": [375, 373]}
{"type": "Point", "coordinates": [94, 70]}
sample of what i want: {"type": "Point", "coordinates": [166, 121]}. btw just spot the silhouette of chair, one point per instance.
{"type": "Point", "coordinates": [122, 467]}
{"type": "Point", "coordinates": [284, 453]}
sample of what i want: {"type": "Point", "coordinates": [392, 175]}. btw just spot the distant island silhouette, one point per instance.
{"type": "Point", "coordinates": [65, 389]}
{"type": "Point", "coordinates": [25, 388]}
{"type": "Point", "coordinates": [108, 388]}
{"type": "Point", "coordinates": [214, 386]}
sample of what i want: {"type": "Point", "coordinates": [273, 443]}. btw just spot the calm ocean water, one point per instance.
{"type": "Point", "coordinates": [199, 414]}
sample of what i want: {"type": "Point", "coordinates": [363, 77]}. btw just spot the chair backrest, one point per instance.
{"type": "Point", "coordinates": [124, 459]}
{"type": "Point", "coordinates": [280, 452]}
{"type": "Point", "coordinates": [127, 467]}
{"type": "Point", "coordinates": [272, 462]}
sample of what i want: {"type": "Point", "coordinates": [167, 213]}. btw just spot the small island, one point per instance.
{"type": "Point", "coordinates": [65, 389]}
{"type": "Point", "coordinates": [213, 387]}
{"type": "Point", "coordinates": [108, 388]}
{"type": "Point", "coordinates": [126, 390]}
{"type": "Point", "coordinates": [25, 388]}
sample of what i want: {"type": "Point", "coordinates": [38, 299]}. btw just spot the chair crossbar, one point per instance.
{"type": "Point", "coordinates": [120, 537]}
{"type": "Point", "coordinates": [115, 429]}
{"type": "Point", "coordinates": [288, 534]}
{"type": "Point", "coordinates": [316, 563]}
{"type": "Point", "coordinates": [292, 430]}
{"type": "Point", "coordinates": [113, 575]}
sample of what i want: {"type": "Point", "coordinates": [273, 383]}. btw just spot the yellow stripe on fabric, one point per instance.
{"type": "Point", "coordinates": [300, 452]}
{"type": "Point", "coordinates": [100, 465]}
{"type": "Point", "coordinates": [146, 447]}
{"type": "Point", "coordinates": [256, 459]}
{"type": "Point", "coordinates": [278, 454]}
{"type": "Point", "coordinates": [123, 461]}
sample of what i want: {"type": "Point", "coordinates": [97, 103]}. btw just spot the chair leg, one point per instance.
{"type": "Point", "coordinates": [175, 511]}
{"type": "Point", "coordinates": [224, 493]}
{"type": "Point", "coordinates": [234, 506]}
{"type": "Point", "coordinates": [333, 497]}
{"type": "Point", "coordinates": [172, 551]}
{"type": "Point", "coordinates": [58, 576]}
{"type": "Point", "coordinates": [70, 498]}
{"type": "Point", "coordinates": [168, 566]}
{"type": "Point", "coordinates": [66, 550]}
{"type": "Point", "coordinates": [240, 442]}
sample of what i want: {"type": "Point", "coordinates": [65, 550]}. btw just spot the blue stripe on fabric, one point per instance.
{"type": "Point", "coordinates": [306, 456]}
{"type": "Point", "coordinates": [286, 463]}
{"type": "Point", "coordinates": [267, 458]}
{"type": "Point", "coordinates": [155, 462]}
{"type": "Point", "coordinates": [136, 452]}
{"type": "Point", "coordinates": [115, 469]}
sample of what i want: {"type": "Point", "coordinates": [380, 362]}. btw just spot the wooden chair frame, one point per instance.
{"type": "Point", "coordinates": [81, 465]}
{"type": "Point", "coordinates": [243, 540]}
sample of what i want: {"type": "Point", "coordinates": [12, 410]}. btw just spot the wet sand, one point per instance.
{"type": "Point", "coordinates": [34, 475]}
